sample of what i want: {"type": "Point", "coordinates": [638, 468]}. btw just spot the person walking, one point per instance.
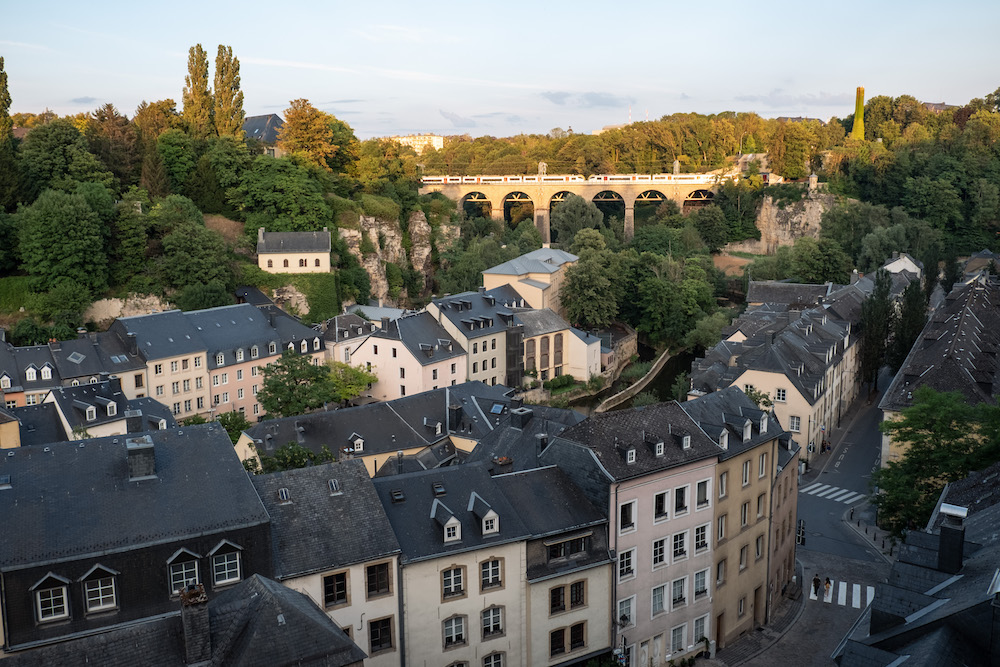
{"type": "Point", "coordinates": [826, 588]}
{"type": "Point", "coordinates": [816, 583]}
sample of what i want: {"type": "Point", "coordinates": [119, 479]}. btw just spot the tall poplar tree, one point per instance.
{"type": "Point", "coordinates": [197, 98]}
{"type": "Point", "coordinates": [229, 113]}
{"type": "Point", "coordinates": [858, 129]}
{"type": "Point", "coordinates": [8, 171]}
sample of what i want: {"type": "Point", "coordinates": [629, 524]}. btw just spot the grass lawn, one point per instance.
{"type": "Point", "coordinates": [13, 293]}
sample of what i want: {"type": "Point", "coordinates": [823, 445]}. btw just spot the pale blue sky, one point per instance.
{"type": "Point", "coordinates": [507, 67]}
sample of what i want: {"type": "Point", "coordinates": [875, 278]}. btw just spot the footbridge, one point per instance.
{"type": "Point", "coordinates": [545, 191]}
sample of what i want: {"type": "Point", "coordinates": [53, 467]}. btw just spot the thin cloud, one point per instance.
{"type": "Point", "coordinates": [779, 98]}
{"type": "Point", "coordinates": [557, 97]}
{"type": "Point", "coordinates": [588, 100]}
{"type": "Point", "coordinates": [511, 118]}
{"type": "Point", "coordinates": [295, 64]}
{"type": "Point", "coordinates": [458, 121]}
{"type": "Point", "coordinates": [24, 45]}
{"type": "Point", "coordinates": [83, 100]}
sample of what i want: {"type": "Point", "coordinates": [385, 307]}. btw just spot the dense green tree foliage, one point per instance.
{"type": "Point", "coordinates": [877, 322]}
{"type": "Point", "coordinates": [228, 112]}
{"type": "Point", "coordinates": [56, 155]}
{"type": "Point", "coordinates": [281, 196]}
{"type": "Point", "coordinates": [572, 215]}
{"type": "Point", "coordinates": [909, 324]}
{"type": "Point", "coordinates": [197, 96]}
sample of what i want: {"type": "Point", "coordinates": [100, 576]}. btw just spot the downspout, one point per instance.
{"type": "Point", "coordinates": [614, 572]}
{"type": "Point", "coordinates": [770, 533]}
{"type": "Point", "coordinates": [401, 616]}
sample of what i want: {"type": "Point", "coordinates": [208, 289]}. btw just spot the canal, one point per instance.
{"type": "Point", "coordinates": [660, 386]}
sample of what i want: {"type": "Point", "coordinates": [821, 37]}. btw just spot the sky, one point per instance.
{"type": "Point", "coordinates": [505, 68]}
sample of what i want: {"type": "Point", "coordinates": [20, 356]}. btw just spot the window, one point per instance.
{"type": "Point", "coordinates": [723, 478]}
{"type": "Point", "coordinates": [91, 413]}
{"type": "Point", "coordinates": [577, 636]}
{"type": "Point", "coordinates": [493, 363]}
{"type": "Point", "coordinates": [380, 635]}
{"type": "Point", "coordinates": [454, 631]}
{"type": "Point", "coordinates": [744, 552]}
{"type": "Point", "coordinates": [701, 538]}
{"type": "Point", "coordinates": [680, 545]}
{"type": "Point", "coordinates": [759, 547]}
{"type": "Point", "coordinates": [272, 348]}
{"type": "Point", "coordinates": [216, 380]}
{"type": "Point", "coordinates": [493, 344]}
{"type": "Point", "coordinates": [451, 582]}
{"type": "Point", "coordinates": [285, 264]}
{"type": "Point", "coordinates": [557, 642]}
{"type": "Point", "coordinates": [453, 367]}
{"type": "Point", "coordinates": [779, 395]}
{"type": "Point", "coordinates": [659, 551]}
{"type": "Point", "coordinates": [51, 603]}
{"type": "Point", "coordinates": [626, 517]}
{"type": "Point", "coordinates": [557, 599]}
{"type": "Point", "coordinates": [475, 366]}
{"type": "Point", "coordinates": [186, 385]}
{"type": "Point", "coordinates": [46, 373]}
{"type": "Point", "coordinates": [630, 456]}
{"type": "Point", "coordinates": [744, 514]}
{"type": "Point", "coordinates": [794, 423]}
{"type": "Point", "coordinates": [201, 402]}
{"type": "Point", "coordinates": [658, 606]}
{"type": "Point", "coordinates": [302, 263]}
{"type": "Point", "coordinates": [741, 606]}
{"type": "Point", "coordinates": [317, 262]}
{"type": "Point", "coordinates": [492, 622]}
{"type": "Point", "coordinates": [402, 390]}
{"type": "Point", "coordinates": [721, 532]}
{"type": "Point", "coordinates": [270, 263]}
{"type": "Point", "coordinates": [660, 506]}
{"type": "Point", "coordinates": [490, 573]}
{"type": "Point", "coordinates": [747, 388]}
{"type": "Point", "coordinates": [187, 405]}
{"type": "Point", "coordinates": [220, 359]}
{"type": "Point", "coordinates": [197, 362]}
{"type": "Point", "coordinates": [678, 592]}
{"type": "Point", "coordinates": [5, 381]}
{"type": "Point", "coordinates": [239, 374]}
{"type": "Point", "coordinates": [702, 494]}
{"type": "Point", "coordinates": [175, 387]}
{"type": "Point", "coordinates": [255, 371]}
{"type": "Point", "coordinates": [254, 352]}
{"type": "Point", "coordinates": [239, 393]}
{"type": "Point", "coordinates": [762, 465]}
{"type": "Point", "coordinates": [625, 617]}
{"type": "Point", "coordinates": [680, 500]}
{"type": "Point", "coordinates": [335, 589]}
{"type": "Point", "coordinates": [225, 397]}
{"type": "Point", "coordinates": [378, 579]}
{"type": "Point", "coordinates": [700, 628]}
{"type": "Point", "coordinates": [434, 374]}
{"type": "Point", "coordinates": [100, 594]}
{"type": "Point", "coordinates": [183, 573]}
{"type": "Point", "coordinates": [720, 572]}
{"type": "Point", "coordinates": [493, 660]}
{"type": "Point", "coordinates": [31, 399]}
{"type": "Point", "coordinates": [677, 639]}
{"type": "Point", "coordinates": [746, 473]}
{"type": "Point", "coordinates": [577, 594]}
{"type": "Point", "coordinates": [176, 408]}
{"type": "Point", "coordinates": [625, 564]}
{"type": "Point", "coordinates": [761, 504]}
{"type": "Point", "coordinates": [198, 383]}
{"type": "Point", "coordinates": [475, 348]}
{"type": "Point", "coordinates": [226, 568]}
{"type": "Point", "coordinates": [225, 378]}
{"type": "Point", "coordinates": [157, 369]}
{"type": "Point", "coordinates": [700, 584]}
{"type": "Point", "coordinates": [402, 373]}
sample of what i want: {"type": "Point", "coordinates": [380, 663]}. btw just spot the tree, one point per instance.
{"type": "Point", "coordinates": [586, 240]}
{"type": "Point", "coordinates": [680, 388]}
{"type": "Point", "coordinates": [349, 381]}
{"type": "Point", "coordinates": [234, 422]}
{"type": "Point", "coordinates": [307, 132]}
{"type": "Point", "coordinates": [292, 385]}
{"type": "Point", "coordinates": [194, 254]}
{"type": "Point", "coordinates": [229, 113]}
{"type": "Point", "coordinates": [876, 323]}
{"type": "Point", "coordinates": [711, 224]}
{"type": "Point", "coordinates": [8, 168]}
{"type": "Point", "coordinates": [281, 196]}
{"type": "Point", "coordinates": [945, 439]}
{"type": "Point", "coordinates": [62, 241]}
{"type": "Point", "coordinates": [858, 129]}
{"type": "Point", "coordinates": [113, 140]}
{"type": "Point", "coordinates": [952, 272]}
{"type": "Point", "coordinates": [820, 261]}
{"type": "Point", "coordinates": [572, 215]}
{"type": "Point", "coordinates": [55, 155]}
{"type": "Point", "coordinates": [198, 296]}
{"type": "Point", "coordinates": [197, 97]}
{"type": "Point", "coordinates": [152, 119]}
{"type": "Point", "coordinates": [760, 398]}
{"type": "Point", "coordinates": [588, 293]}
{"type": "Point", "coordinates": [129, 237]}
{"type": "Point", "coordinates": [178, 155]}
{"type": "Point", "coordinates": [288, 457]}
{"type": "Point", "coordinates": [911, 321]}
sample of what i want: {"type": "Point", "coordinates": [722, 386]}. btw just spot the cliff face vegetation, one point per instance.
{"type": "Point", "coordinates": [781, 224]}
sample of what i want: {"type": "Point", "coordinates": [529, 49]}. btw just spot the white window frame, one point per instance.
{"type": "Point", "coordinates": [746, 473]}
{"type": "Point", "coordinates": [703, 575]}
{"type": "Point", "coordinates": [220, 359]}
{"type": "Point", "coordinates": [229, 566]}
{"type": "Point", "coordinates": [677, 645]}
{"type": "Point", "coordinates": [794, 423]}
{"type": "Point", "coordinates": [654, 608]}
{"type": "Point", "coordinates": [239, 354]}
{"type": "Point", "coordinates": [626, 564]}
{"type": "Point", "coordinates": [723, 483]}
{"type": "Point", "coordinates": [626, 607]}
{"type": "Point", "coordinates": [704, 531]}
{"type": "Point", "coordinates": [100, 594]}
{"type": "Point", "coordinates": [46, 373]}
{"type": "Point", "coordinates": [56, 601]}
{"type": "Point", "coordinates": [779, 395]}
{"type": "Point", "coordinates": [454, 631]}
{"type": "Point", "coordinates": [452, 582]}
{"type": "Point", "coordinates": [659, 552]}
{"type": "Point", "coordinates": [490, 573]}
{"type": "Point", "coordinates": [675, 601]}
{"type": "Point", "coordinates": [30, 375]}
{"type": "Point", "coordinates": [492, 622]}
{"type": "Point", "coordinates": [762, 465]}
{"type": "Point", "coordinates": [678, 546]}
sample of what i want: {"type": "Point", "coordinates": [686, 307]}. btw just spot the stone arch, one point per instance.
{"type": "Point", "coordinates": [697, 199]}
{"type": "Point", "coordinates": [646, 203]}
{"type": "Point", "coordinates": [518, 203]}
{"type": "Point", "coordinates": [476, 205]}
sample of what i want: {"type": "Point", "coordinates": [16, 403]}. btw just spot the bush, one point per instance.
{"type": "Point", "coordinates": [13, 290]}
{"type": "Point", "coordinates": [560, 382]}
{"type": "Point", "coordinates": [634, 372]}
{"type": "Point", "coordinates": [644, 398]}
{"type": "Point", "coordinates": [382, 208]}
{"type": "Point", "coordinates": [321, 293]}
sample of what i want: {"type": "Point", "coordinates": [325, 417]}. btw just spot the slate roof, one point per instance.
{"type": "Point", "coordinates": [198, 476]}
{"type": "Point", "coordinates": [548, 502]}
{"type": "Point", "coordinates": [332, 518]}
{"type": "Point", "coordinates": [543, 260]}
{"type": "Point", "coordinates": [426, 340]}
{"type": "Point", "coordinates": [263, 128]}
{"type": "Point", "coordinates": [541, 321]}
{"type": "Point", "coordinates": [466, 489]}
{"type": "Point", "coordinates": [728, 410]}
{"type": "Point", "coordinates": [483, 313]}
{"type": "Point", "coordinates": [161, 335]}
{"type": "Point", "coordinates": [253, 296]}
{"type": "Point", "coordinates": [775, 291]}
{"type": "Point", "coordinates": [257, 622]}
{"type": "Point", "coordinates": [39, 424]}
{"type": "Point", "coordinates": [271, 242]}
{"type": "Point", "coordinates": [376, 313]}
{"type": "Point", "coordinates": [515, 445]}
{"type": "Point", "coordinates": [347, 327]}
{"type": "Point", "coordinates": [956, 351]}
{"type": "Point", "coordinates": [611, 434]}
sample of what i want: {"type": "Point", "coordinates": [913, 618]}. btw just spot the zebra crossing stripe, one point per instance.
{"type": "Point", "coordinates": [856, 596]}
{"type": "Point", "coordinates": [840, 495]}
{"type": "Point", "coordinates": [808, 488]}
{"type": "Point", "coordinates": [842, 593]}
{"type": "Point", "coordinates": [850, 500]}
{"type": "Point", "coordinates": [817, 490]}
{"type": "Point", "coordinates": [833, 490]}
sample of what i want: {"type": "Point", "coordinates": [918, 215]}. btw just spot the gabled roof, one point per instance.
{"type": "Point", "coordinates": [426, 340]}
{"type": "Point", "coordinates": [418, 517]}
{"type": "Point", "coordinates": [728, 409]}
{"type": "Point", "coordinates": [198, 476]}
{"type": "Point", "coordinates": [263, 128]}
{"type": "Point", "coordinates": [543, 260]}
{"type": "Point", "coordinates": [271, 242]}
{"type": "Point", "coordinates": [516, 443]}
{"type": "Point", "coordinates": [774, 291]}
{"type": "Point", "coordinates": [162, 335]}
{"type": "Point", "coordinates": [347, 327]}
{"type": "Point", "coordinates": [541, 321]}
{"type": "Point", "coordinates": [332, 518]}
{"type": "Point", "coordinates": [481, 313]}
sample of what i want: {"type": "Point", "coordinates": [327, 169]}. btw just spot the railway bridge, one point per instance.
{"type": "Point", "coordinates": [545, 191]}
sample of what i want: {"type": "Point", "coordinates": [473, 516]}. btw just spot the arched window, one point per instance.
{"type": "Point", "coordinates": [302, 263]}
{"type": "Point", "coordinates": [270, 263]}
{"type": "Point", "coordinates": [317, 262]}
{"type": "Point", "coordinates": [286, 263]}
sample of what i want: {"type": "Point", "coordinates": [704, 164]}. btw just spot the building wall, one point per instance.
{"type": "Point", "coordinates": [541, 622]}
{"type": "Point", "coordinates": [745, 578]}
{"type": "Point", "coordinates": [649, 635]}
{"type": "Point", "coordinates": [534, 297]}
{"type": "Point", "coordinates": [277, 262]}
{"type": "Point", "coordinates": [10, 437]}
{"type": "Point", "coordinates": [426, 609]}
{"type": "Point", "coordinates": [584, 359]}
{"type": "Point", "coordinates": [577, 358]}
{"type": "Point", "coordinates": [398, 370]}
{"type": "Point", "coordinates": [184, 400]}
{"type": "Point", "coordinates": [784, 497]}
{"type": "Point", "coordinates": [355, 615]}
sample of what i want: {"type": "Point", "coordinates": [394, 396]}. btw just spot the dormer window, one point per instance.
{"type": "Point", "coordinates": [239, 355]}
{"type": "Point", "coordinates": [763, 423]}
{"type": "Point", "coordinates": [747, 431]}
{"type": "Point", "coordinates": [220, 359]}
{"type": "Point", "coordinates": [630, 456]}
{"type": "Point", "coordinates": [452, 530]}
{"type": "Point", "coordinates": [724, 440]}
{"type": "Point", "coordinates": [686, 442]}
{"type": "Point", "coordinates": [91, 413]}
{"type": "Point", "coordinates": [304, 347]}
{"type": "Point", "coordinates": [4, 381]}
{"type": "Point", "coordinates": [359, 444]}
{"type": "Point", "coordinates": [46, 373]}
{"type": "Point", "coordinates": [316, 344]}
{"type": "Point", "coordinates": [491, 523]}
{"type": "Point", "coordinates": [30, 375]}
{"type": "Point", "coordinates": [291, 346]}
{"type": "Point", "coordinates": [162, 424]}
{"type": "Point", "coordinates": [112, 409]}
{"type": "Point", "coordinates": [254, 352]}
{"type": "Point", "coordinates": [272, 348]}
{"type": "Point", "coordinates": [659, 449]}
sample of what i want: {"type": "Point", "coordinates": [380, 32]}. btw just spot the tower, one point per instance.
{"type": "Point", "coordinates": [858, 130]}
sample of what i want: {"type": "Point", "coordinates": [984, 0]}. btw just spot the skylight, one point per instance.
{"type": "Point", "coordinates": [76, 358]}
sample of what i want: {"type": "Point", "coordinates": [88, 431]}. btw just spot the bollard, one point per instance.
{"type": "Point", "coordinates": [852, 514]}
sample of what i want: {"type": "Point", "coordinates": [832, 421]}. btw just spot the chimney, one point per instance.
{"type": "Point", "coordinates": [260, 235]}
{"type": "Point", "coordinates": [141, 458]}
{"type": "Point", "coordinates": [133, 344]}
{"type": "Point", "coordinates": [952, 539]}
{"type": "Point", "coordinates": [55, 345]}
{"type": "Point", "coordinates": [482, 290]}
{"type": "Point", "coordinates": [855, 276]}
{"type": "Point", "coordinates": [133, 421]}
{"type": "Point", "coordinates": [385, 324]}
{"type": "Point", "coordinates": [454, 417]}
{"type": "Point", "coordinates": [520, 417]}
{"type": "Point", "coordinates": [399, 462]}
{"type": "Point", "coordinates": [194, 618]}
{"type": "Point", "coordinates": [542, 442]}
{"type": "Point", "coordinates": [81, 332]}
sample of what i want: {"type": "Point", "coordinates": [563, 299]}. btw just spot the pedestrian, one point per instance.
{"type": "Point", "coordinates": [826, 588]}
{"type": "Point", "coordinates": [816, 583]}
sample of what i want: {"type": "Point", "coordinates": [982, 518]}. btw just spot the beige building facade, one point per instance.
{"type": "Point", "coordinates": [293, 252]}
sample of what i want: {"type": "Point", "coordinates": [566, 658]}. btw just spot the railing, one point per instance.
{"type": "Point", "coordinates": [705, 179]}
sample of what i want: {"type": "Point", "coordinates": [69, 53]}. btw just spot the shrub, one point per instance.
{"type": "Point", "coordinates": [634, 372]}
{"type": "Point", "coordinates": [382, 208]}
{"type": "Point", "coordinates": [644, 398]}
{"type": "Point", "coordinates": [560, 382]}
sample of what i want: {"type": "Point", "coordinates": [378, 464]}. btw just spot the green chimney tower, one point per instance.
{"type": "Point", "coordinates": [858, 130]}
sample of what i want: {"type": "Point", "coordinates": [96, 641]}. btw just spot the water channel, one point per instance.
{"type": "Point", "coordinates": [660, 386]}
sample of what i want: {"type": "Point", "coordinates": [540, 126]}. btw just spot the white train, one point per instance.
{"type": "Point", "coordinates": [570, 178]}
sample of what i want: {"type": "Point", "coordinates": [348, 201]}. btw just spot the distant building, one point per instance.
{"type": "Point", "coordinates": [536, 276]}
{"type": "Point", "coordinates": [939, 107]}
{"type": "Point", "coordinates": [264, 129]}
{"type": "Point", "coordinates": [420, 142]}
{"type": "Point", "coordinates": [293, 252]}
{"type": "Point", "coordinates": [343, 334]}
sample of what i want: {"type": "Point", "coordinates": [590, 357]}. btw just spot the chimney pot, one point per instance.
{"type": "Point", "coordinates": [194, 618]}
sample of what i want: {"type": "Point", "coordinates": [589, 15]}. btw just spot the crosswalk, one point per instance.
{"type": "Point", "coordinates": [839, 594]}
{"type": "Point", "coordinates": [834, 493]}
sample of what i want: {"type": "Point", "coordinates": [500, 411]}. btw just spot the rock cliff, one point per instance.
{"type": "Point", "coordinates": [781, 226]}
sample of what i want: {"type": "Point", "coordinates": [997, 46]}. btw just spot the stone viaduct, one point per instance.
{"type": "Point", "coordinates": [545, 191]}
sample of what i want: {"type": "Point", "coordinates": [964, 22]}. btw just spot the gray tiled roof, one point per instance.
{"type": "Point", "coordinates": [258, 622]}
{"type": "Point", "coordinates": [263, 128]}
{"type": "Point", "coordinates": [332, 518]}
{"type": "Point", "coordinates": [347, 327]}
{"type": "Point", "coordinates": [548, 502]}
{"type": "Point", "coordinates": [773, 291]}
{"type": "Point", "coordinates": [269, 242]}
{"type": "Point", "coordinates": [39, 424]}
{"type": "Point", "coordinates": [541, 321]}
{"type": "Point", "coordinates": [519, 446]}
{"type": "Point", "coordinates": [426, 340]}
{"type": "Point", "coordinates": [728, 409]}
{"type": "Point", "coordinates": [161, 335]}
{"type": "Point", "coordinates": [465, 487]}
{"type": "Point", "coordinates": [543, 260]}
{"type": "Point", "coordinates": [484, 313]}
{"type": "Point", "coordinates": [198, 476]}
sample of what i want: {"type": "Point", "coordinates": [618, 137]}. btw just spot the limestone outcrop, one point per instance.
{"type": "Point", "coordinates": [783, 225]}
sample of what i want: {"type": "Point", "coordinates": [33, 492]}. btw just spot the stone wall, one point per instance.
{"type": "Point", "coordinates": [782, 226]}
